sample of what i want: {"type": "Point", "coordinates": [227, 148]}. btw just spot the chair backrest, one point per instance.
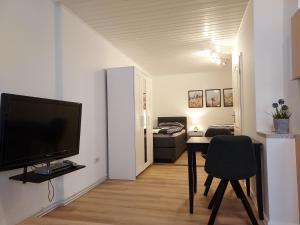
{"type": "Point", "coordinates": [211, 132]}
{"type": "Point", "coordinates": [231, 157]}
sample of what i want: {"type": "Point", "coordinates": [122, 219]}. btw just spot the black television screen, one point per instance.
{"type": "Point", "coordinates": [36, 130]}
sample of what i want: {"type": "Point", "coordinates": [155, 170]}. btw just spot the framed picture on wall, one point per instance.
{"type": "Point", "coordinates": [228, 97]}
{"type": "Point", "coordinates": [195, 98]}
{"type": "Point", "coordinates": [213, 97]}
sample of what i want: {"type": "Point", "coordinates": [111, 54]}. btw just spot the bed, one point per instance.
{"type": "Point", "coordinates": [168, 147]}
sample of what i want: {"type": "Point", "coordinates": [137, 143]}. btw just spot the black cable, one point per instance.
{"type": "Point", "coordinates": [50, 196]}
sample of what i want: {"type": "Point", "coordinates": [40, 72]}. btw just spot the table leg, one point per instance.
{"type": "Point", "coordinates": [259, 184]}
{"type": "Point", "coordinates": [195, 171]}
{"type": "Point", "coordinates": [191, 180]}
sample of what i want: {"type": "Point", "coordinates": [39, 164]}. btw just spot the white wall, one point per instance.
{"type": "Point", "coordinates": [170, 97]}
{"type": "Point", "coordinates": [291, 88]}
{"type": "Point", "coordinates": [26, 67]}
{"type": "Point", "coordinates": [268, 37]}
{"type": "Point", "coordinates": [272, 37]}
{"type": "Point", "coordinates": [48, 52]}
{"type": "Point", "coordinates": [85, 56]}
{"type": "Point", "coordinates": [245, 45]}
{"type": "Point", "coordinates": [266, 30]}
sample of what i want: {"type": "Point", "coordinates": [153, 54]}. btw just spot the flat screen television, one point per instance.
{"type": "Point", "coordinates": [37, 130]}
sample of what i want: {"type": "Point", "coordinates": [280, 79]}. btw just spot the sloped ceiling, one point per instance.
{"type": "Point", "coordinates": [164, 36]}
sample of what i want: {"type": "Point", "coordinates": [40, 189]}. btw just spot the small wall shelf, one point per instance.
{"type": "Point", "coordinates": [32, 177]}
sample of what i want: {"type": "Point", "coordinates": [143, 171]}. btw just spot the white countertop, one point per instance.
{"type": "Point", "coordinates": [271, 134]}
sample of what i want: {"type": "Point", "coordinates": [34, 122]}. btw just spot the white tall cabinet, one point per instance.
{"type": "Point", "coordinates": [130, 139]}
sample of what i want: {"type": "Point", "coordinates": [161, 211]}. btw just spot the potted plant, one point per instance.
{"type": "Point", "coordinates": [281, 117]}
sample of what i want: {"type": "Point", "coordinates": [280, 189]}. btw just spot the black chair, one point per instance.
{"type": "Point", "coordinates": [230, 158]}
{"type": "Point", "coordinates": [212, 132]}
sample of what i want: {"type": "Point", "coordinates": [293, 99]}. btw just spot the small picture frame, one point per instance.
{"type": "Point", "coordinates": [195, 98]}
{"type": "Point", "coordinates": [213, 97]}
{"type": "Point", "coordinates": [228, 97]}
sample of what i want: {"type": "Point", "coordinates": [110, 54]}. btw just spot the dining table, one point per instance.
{"type": "Point", "coordinates": [201, 144]}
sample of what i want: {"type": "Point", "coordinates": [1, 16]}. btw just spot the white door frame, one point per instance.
{"type": "Point", "coordinates": [237, 85]}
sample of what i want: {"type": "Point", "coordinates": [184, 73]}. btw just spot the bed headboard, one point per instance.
{"type": "Point", "coordinates": [180, 119]}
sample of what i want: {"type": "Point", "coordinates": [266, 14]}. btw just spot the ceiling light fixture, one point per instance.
{"type": "Point", "coordinates": [214, 57]}
{"type": "Point", "coordinates": [205, 53]}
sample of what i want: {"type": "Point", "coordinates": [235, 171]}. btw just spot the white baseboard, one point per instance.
{"type": "Point", "coordinates": [281, 223]}
{"type": "Point", "coordinates": [268, 222]}
{"type": "Point", "coordinates": [68, 200]}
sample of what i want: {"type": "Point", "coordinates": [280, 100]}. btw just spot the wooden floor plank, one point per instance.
{"type": "Point", "coordinates": [51, 221]}
{"type": "Point", "coordinates": [183, 159]}
{"type": "Point", "coordinates": [159, 196]}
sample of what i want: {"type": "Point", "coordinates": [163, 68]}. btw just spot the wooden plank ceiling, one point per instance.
{"type": "Point", "coordinates": [163, 36]}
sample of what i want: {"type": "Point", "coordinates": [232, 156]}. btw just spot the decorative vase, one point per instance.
{"type": "Point", "coordinates": [281, 126]}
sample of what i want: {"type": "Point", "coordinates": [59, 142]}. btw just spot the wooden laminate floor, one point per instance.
{"type": "Point", "coordinates": [183, 159]}
{"type": "Point", "coordinates": [52, 221]}
{"type": "Point", "coordinates": [159, 196]}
